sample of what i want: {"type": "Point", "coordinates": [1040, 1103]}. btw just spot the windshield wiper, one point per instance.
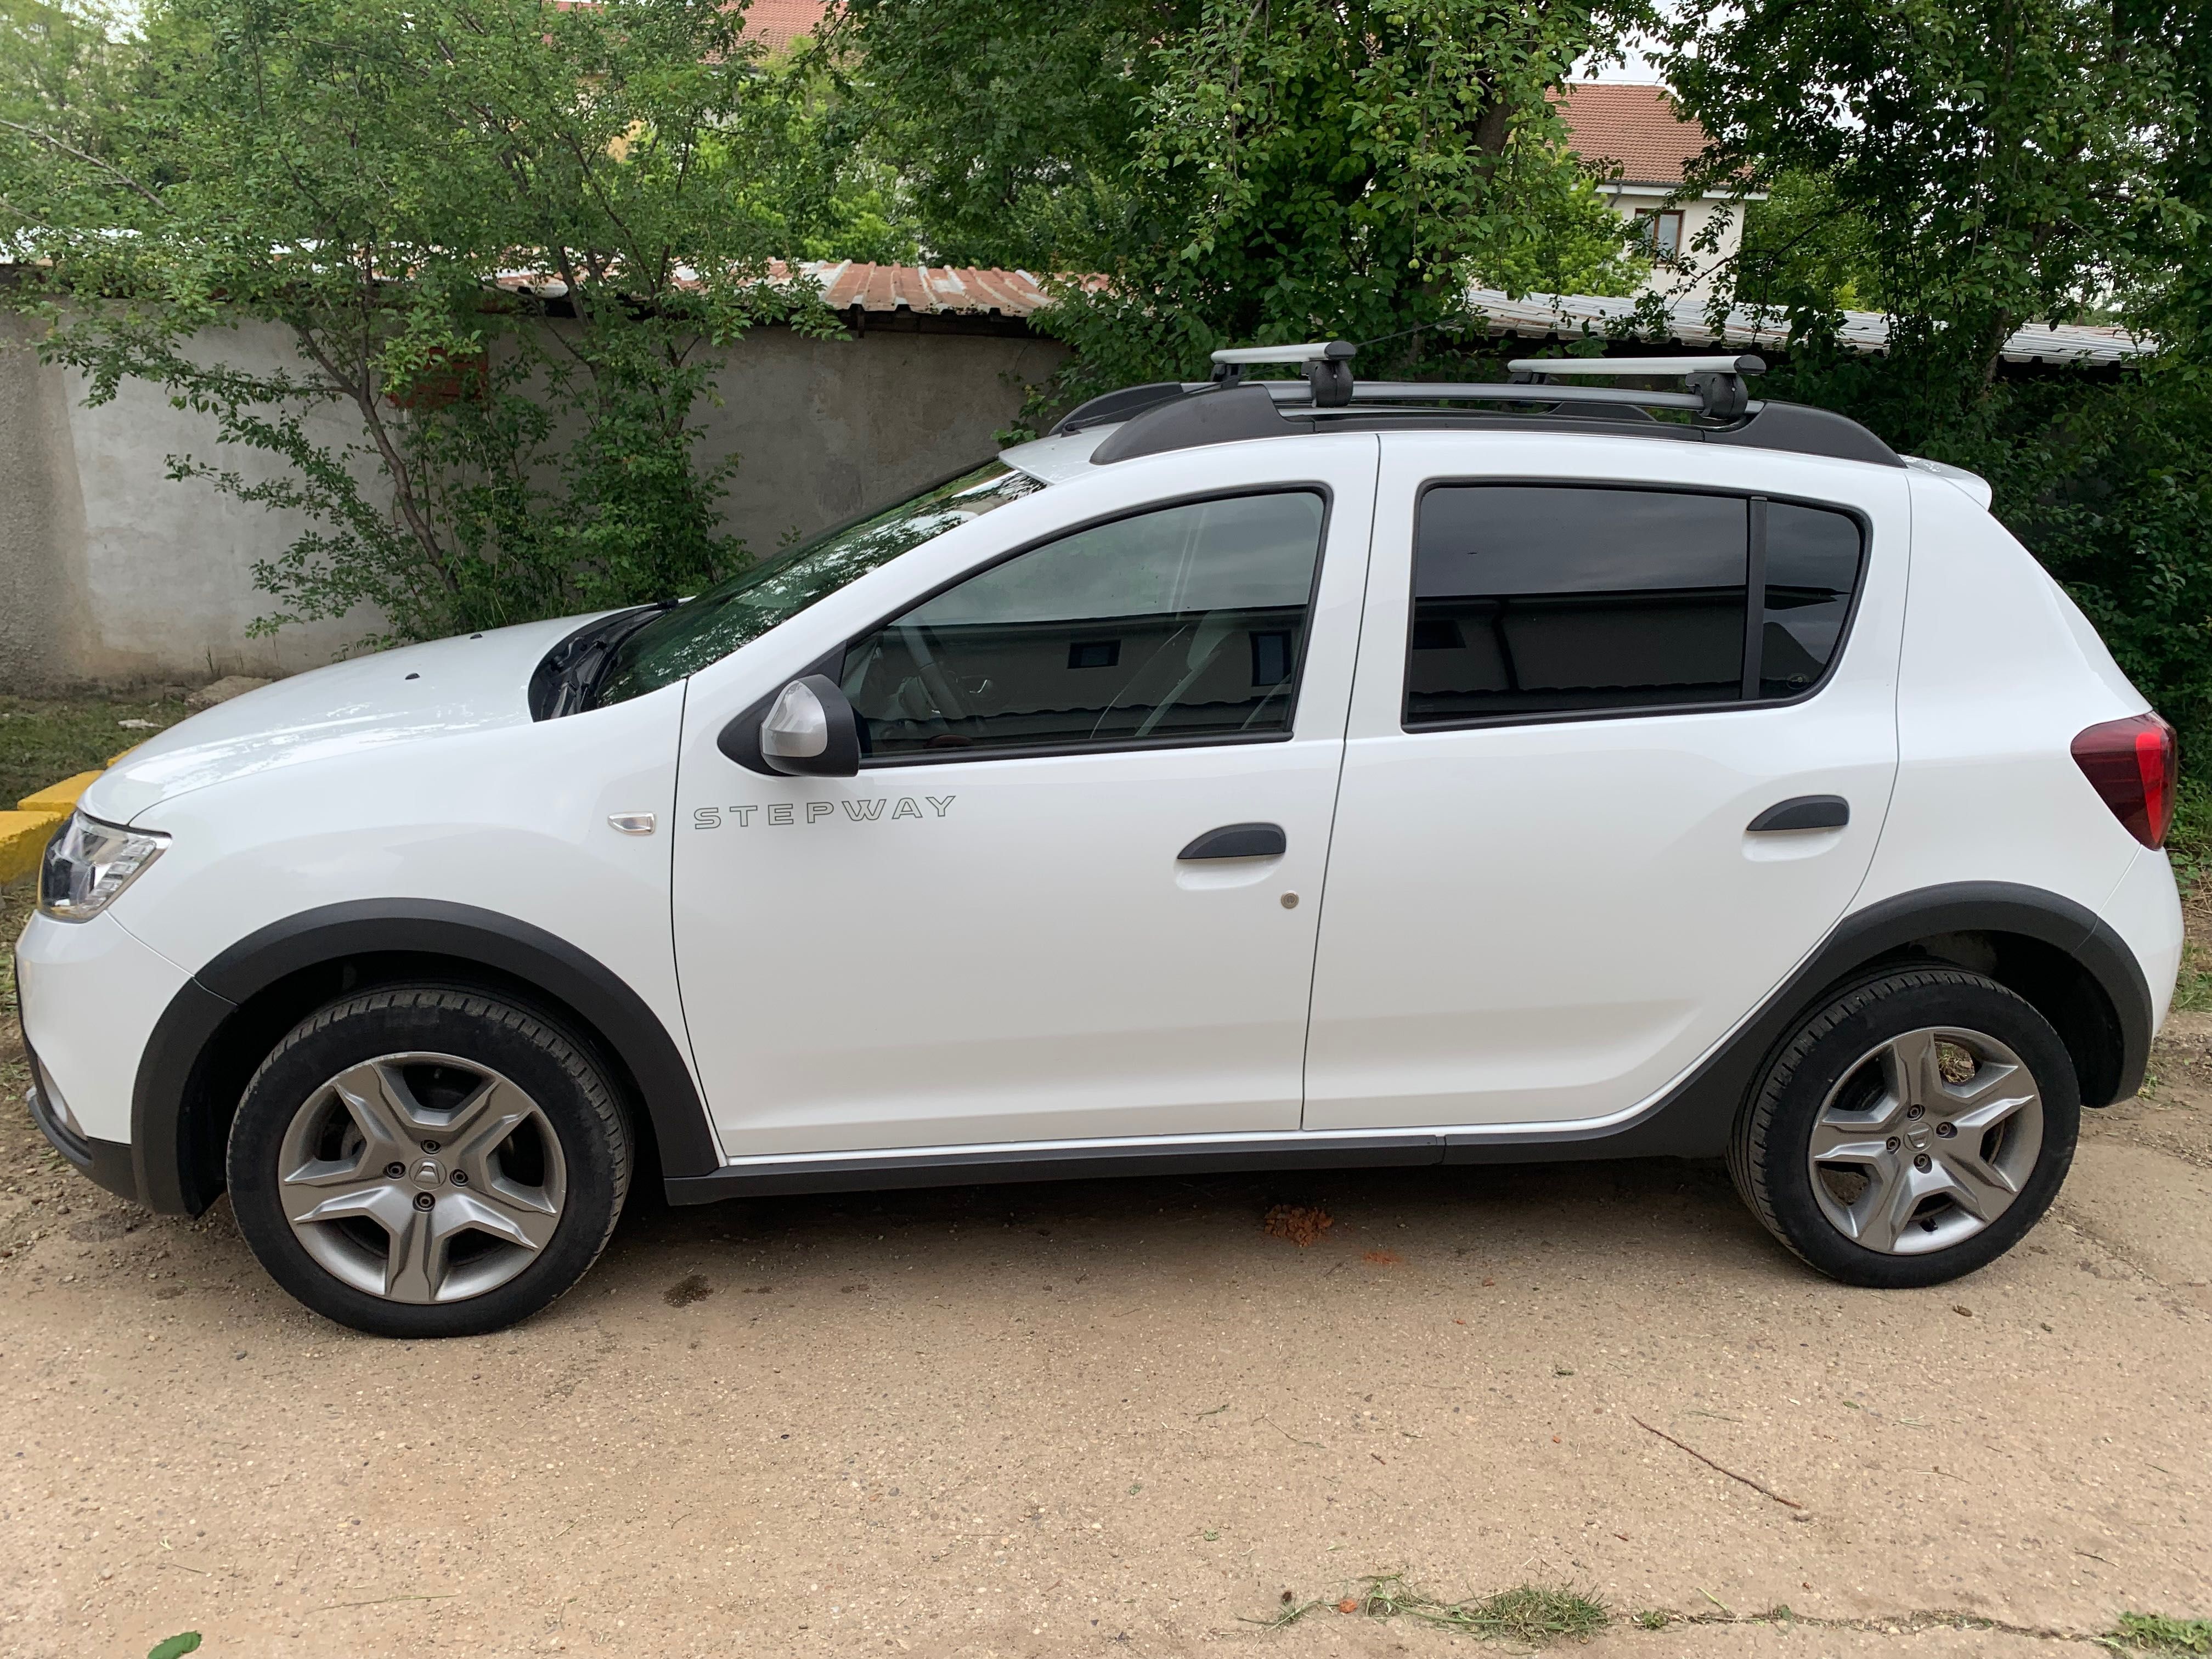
{"type": "Point", "coordinates": [572, 673]}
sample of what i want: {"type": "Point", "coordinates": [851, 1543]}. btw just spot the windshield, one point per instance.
{"type": "Point", "coordinates": [681, 641]}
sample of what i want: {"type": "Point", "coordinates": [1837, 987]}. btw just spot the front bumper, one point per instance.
{"type": "Point", "coordinates": [108, 1162]}
{"type": "Point", "coordinates": [90, 995]}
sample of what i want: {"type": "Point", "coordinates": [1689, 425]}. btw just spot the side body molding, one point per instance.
{"type": "Point", "coordinates": [167, 1098]}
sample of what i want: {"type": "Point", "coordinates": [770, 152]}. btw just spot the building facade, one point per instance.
{"type": "Point", "coordinates": [1642, 147]}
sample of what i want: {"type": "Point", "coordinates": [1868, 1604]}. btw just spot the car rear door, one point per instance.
{"type": "Point", "coordinates": [1556, 880]}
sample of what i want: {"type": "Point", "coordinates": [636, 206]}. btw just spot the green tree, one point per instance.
{"type": "Point", "coordinates": [501, 236]}
{"type": "Point", "coordinates": [1240, 170]}
{"type": "Point", "coordinates": [1968, 167]}
{"type": "Point", "coordinates": [1010, 123]}
{"type": "Point", "coordinates": [1991, 161]}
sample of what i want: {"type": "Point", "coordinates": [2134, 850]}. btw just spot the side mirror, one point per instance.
{"type": "Point", "coordinates": [811, 731]}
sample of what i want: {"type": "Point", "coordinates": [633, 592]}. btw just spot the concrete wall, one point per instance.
{"type": "Point", "coordinates": [110, 573]}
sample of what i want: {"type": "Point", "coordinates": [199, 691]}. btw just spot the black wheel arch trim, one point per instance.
{"type": "Point", "coordinates": [163, 1098]}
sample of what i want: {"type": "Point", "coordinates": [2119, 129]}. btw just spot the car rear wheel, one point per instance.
{"type": "Point", "coordinates": [423, 1161]}
{"type": "Point", "coordinates": [1911, 1131]}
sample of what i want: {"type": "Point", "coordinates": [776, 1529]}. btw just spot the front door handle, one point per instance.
{"type": "Point", "coordinates": [1238, 841]}
{"type": "Point", "coordinates": [1802, 813]}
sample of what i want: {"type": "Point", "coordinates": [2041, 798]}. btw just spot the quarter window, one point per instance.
{"type": "Point", "coordinates": [1533, 600]}
{"type": "Point", "coordinates": [1187, 623]}
{"type": "Point", "coordinates": [1812, 570]}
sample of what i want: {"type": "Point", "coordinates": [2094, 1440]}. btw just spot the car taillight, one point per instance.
{"type": "Point", "coordinates": [2131, 763]}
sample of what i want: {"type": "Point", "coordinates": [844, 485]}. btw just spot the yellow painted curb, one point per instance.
{"type": "Point", "coordinates": [23, 838]}
{"type": "Point", "coordinates": [59, 798]}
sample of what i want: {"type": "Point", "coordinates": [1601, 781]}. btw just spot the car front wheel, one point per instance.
{"type": "Point", "coordinates": [420, 1161]}
{"type": "Point", "coordinates": [1911, 1131]}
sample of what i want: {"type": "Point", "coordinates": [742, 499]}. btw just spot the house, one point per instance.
{"type": "Point", "coordinates": [1641, 145]}
{"type": "Point", "coordinates": [777, 23]}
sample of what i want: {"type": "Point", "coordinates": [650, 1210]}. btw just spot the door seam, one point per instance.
{"type": "Point", "coordinates": [1336, 795]}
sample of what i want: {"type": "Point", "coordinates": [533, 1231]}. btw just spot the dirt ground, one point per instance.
{"type": "Point", "coordinates": [1121, 1417]}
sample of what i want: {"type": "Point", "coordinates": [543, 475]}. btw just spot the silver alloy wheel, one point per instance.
{"type": "Point", "coordinates": [421, 1178]}
{"type": "Point", "coordinates": [1926, 1141]}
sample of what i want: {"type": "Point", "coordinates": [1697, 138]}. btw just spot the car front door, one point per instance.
{"type": "Point", "coordinates": [1020, 923]}
{"type": "Point", "coordinates": [1559, 875]}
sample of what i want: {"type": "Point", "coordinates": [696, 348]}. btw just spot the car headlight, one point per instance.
{"type": "Point", "coordinates": [87, 863]}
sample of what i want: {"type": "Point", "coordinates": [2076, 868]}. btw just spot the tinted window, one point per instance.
{"type": "Point", "coordinates": [1188, 622]}
{"type": "Point", "coordinates": [1529, 600]}
{"type": "Point", "coordinates": [1812, 570]}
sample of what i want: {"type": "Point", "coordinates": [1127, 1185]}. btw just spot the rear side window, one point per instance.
{"type": "Point", "coordinates": [1534, 600]}
{"type": "Point", "coordinates": [1186, 623]}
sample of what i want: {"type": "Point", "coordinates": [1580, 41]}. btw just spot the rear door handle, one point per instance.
{"type": "Point", "coordinates": [1802, 813]}
{"type": "Point", "coordinates": [1238, 841]}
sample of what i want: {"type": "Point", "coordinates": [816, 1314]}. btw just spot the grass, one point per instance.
{"type": "Point", "coordinates": [2189, 837]}
{"type": "Point", "coordinates": [2154, 1633]}
{"type": "Point", "coordinates": [45, 739]}
{"type": "Point", "coordinates": [1533, 1614]}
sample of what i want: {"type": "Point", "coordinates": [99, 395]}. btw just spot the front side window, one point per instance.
{"type": "Point", "coordinates": [736, 612]}
{"type": "Point", "coordinates": [1533, 600]}
{"type": "Point", "coordinates": [1187, 623]}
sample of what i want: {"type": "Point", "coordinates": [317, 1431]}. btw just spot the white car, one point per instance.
{"type": "Point", "coordinates": [1261, 774]}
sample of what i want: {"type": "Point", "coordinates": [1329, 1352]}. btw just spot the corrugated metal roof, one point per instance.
{"type": "Point", "coordinates": [1571, 316]}
{"type": "Point", "coordinates": [949, 288]}
{"type": "Point", "coordinates": [958, 290]}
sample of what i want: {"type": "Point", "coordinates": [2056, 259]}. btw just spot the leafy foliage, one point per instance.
{"type": "Point", "coordinates": [1968, 167]}
{"type": "Point", "coordinates": [352, 179]}
{"type": "Point", "coordinates": [1243, 170]}
{"type": "Point", "coordinates": [1010, 124]}
{"type": "Point", "coordinates": [1998, 157]}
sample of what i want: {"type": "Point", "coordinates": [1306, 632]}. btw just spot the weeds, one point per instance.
{"type": "Point", "coordinates": [45, 739]}
{"type": "Point", "coordinates": [2192, 989]}
{"type": "Point", "coordinates": [1532, 1613]}
{"type": "Point", "coordinates": [2154, 1633]}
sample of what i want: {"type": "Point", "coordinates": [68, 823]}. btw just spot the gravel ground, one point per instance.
{"type": "Point", "coordinates": [1122, 1417]}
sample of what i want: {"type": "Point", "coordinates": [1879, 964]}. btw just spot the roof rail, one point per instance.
{"type": "Point", "coordinates": [1170, 414]}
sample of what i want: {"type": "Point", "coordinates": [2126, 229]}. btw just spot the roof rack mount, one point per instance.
{"type": "Point", "coordinates": [1716, 383]}
{"type": "Point", "coordinates": [1327, 366]}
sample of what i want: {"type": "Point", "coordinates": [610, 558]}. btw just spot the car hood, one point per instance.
{"type": "Point", "coordinates": [409, 695]}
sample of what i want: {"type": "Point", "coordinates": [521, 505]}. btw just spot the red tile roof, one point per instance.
{"type": "Point", "coordinates": [777, 23]}
{"type": "Point", "coordinates": [1636, 127]}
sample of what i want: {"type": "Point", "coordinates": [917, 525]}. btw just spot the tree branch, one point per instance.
{"type": "Point", "coordinates": [113, 172]}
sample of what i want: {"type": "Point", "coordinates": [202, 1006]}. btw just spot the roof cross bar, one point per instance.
{"type": "Point", "coordinates": [1717, 383]}
{"type": "Point", "coordinates": [1328, 365]}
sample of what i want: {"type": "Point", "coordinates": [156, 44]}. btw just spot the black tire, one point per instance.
{"type": "Point", "coordinates": [554, 1070]}
{"type": "Point", "coordinates": [1769, 1154]}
